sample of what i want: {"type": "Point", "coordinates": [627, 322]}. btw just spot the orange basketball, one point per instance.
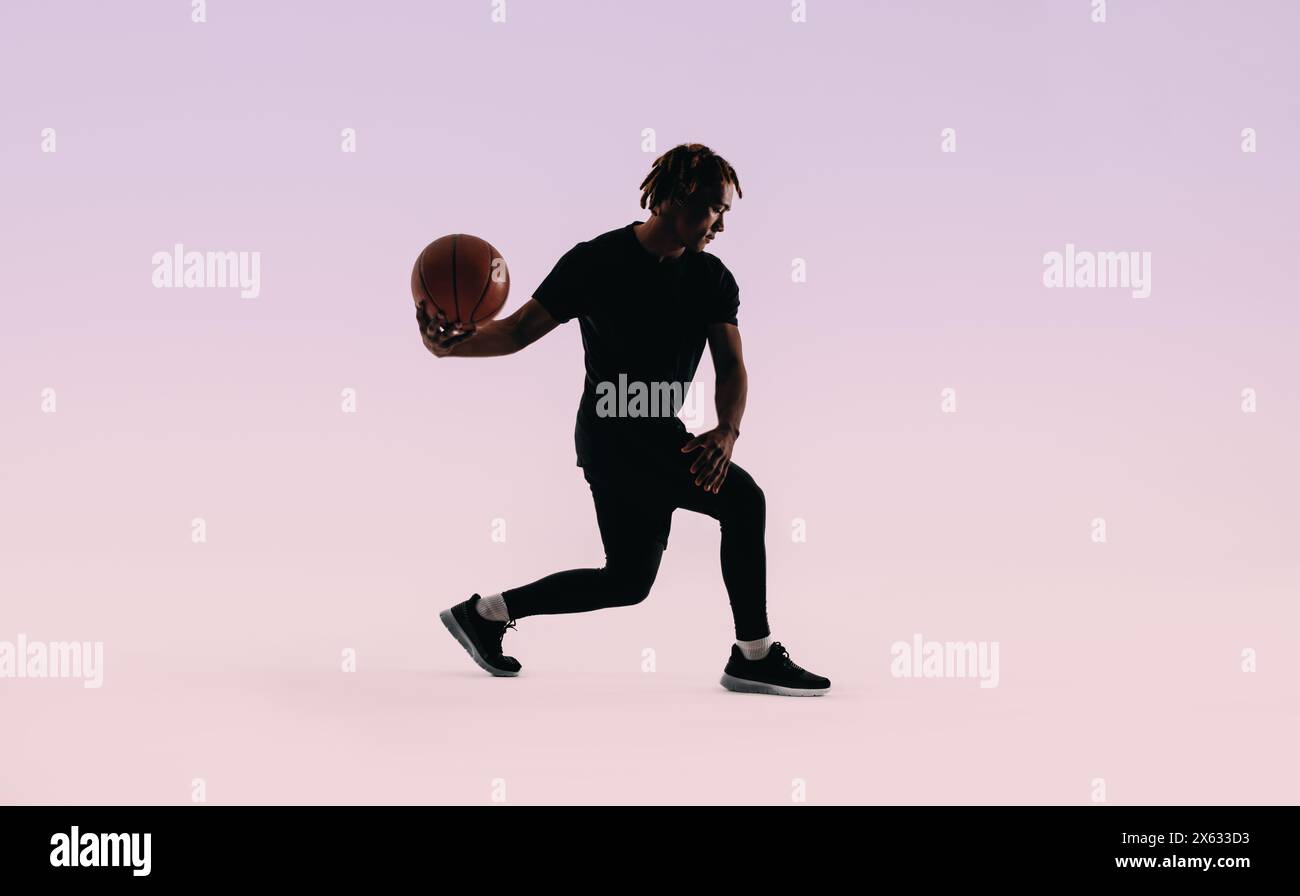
{"type": "Point", "coordinates": [463, 277]}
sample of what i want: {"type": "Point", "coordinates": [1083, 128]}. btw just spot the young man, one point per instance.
{"type": "Point", "coordinates": [648, 297]}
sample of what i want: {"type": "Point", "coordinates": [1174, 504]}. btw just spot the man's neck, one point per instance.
{"type": "Point", "coordinates": [657, 238]}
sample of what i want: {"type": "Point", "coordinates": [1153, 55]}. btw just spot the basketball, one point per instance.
{"type": "Point", "coordinates": [462, 276]}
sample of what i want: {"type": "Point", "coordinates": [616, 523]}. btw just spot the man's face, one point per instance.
{"type": "Point", "coordinates": [699, 221]}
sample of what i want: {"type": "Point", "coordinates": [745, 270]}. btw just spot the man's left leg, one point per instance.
{"type": "Point", "coordinates": [758, 664]}
{"type": "Point", "coordinates": [740, 508]}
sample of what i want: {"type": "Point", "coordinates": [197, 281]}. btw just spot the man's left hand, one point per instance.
{"type": "Point", "coordinates": [710, 468]}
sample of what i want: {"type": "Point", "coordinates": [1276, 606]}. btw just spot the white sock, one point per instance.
{"type": "Point", "coordinates": [755, 650]}
{"type": "Point", "coordinates": [494, 607]}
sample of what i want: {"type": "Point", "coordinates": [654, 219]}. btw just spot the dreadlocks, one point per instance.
{"type": "Point", "coordinates": [683, 170]}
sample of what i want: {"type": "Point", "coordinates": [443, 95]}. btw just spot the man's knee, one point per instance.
{"type": "Point", "coordinates": [746, 503]}
{"type": "Point", "coordinates": [632, 573]}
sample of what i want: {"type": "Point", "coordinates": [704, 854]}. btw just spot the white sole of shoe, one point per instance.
{"type": "Point", "coordinates": [744, 686]}
{"type": "Point", "coordinates": [449, 619]}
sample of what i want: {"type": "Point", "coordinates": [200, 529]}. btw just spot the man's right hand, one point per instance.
{"type": "Point", "coordinates": [441, 337]}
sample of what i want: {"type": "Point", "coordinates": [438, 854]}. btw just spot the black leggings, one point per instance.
{"type": "Point", "coordinates": [634, 509]}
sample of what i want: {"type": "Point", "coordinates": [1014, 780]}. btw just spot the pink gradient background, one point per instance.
{"type": "Point", "coordinates": [329, 531]}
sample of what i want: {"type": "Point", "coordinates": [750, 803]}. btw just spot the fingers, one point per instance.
{"type": "Point", "coordinates": [706, 452]}
{"type": "Point", "coordinates": [726, 468]}
{"type": "Point", "coordinates": [708, 478]}
{"type": "Point", "coordinates": [714, 483]}
{"type": "Point", "coordinates": [691, 445]}
{"type": "Point", "coordinates": [709, 454]}
{"type": "Point", "coordinates": [433, 324]}
{"type": "Point", "coordinates": [441, 336]}
{"type": "Point", "coordinates": [456, 338]}
{"type": "Point", "coordinates": [437, 324]}
{"type": "Point", "coordinates": [709, 469]}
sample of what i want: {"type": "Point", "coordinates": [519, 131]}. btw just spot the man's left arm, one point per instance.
{"type": "Point", "coordinates": [732, 386]}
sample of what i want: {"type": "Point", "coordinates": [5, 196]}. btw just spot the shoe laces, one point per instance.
{"type": "Point", "coordinates": [783, 656]}
{"type": "Point", "coordinates": [501, 635]}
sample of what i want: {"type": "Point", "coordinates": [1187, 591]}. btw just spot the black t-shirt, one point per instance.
{"type": "Point", "coordinates": [644, 327]}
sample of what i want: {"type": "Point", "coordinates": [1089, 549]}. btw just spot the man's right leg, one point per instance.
{"type": "Point", "coordinates": [624, 580]}
{"type": "Point", "coordinates": [634, 528]}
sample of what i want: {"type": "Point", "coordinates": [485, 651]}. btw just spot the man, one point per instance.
{"type": "Point", "coordinates": [648, 297]}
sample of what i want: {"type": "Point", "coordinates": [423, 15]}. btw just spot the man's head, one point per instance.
{"type": "Point", "coordinates": [691, 189]}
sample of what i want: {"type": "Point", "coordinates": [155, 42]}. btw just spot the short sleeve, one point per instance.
{"type": "Point", "coordinates": [566, 291]}
{"type": "Point", "coordinates": [727, 298]}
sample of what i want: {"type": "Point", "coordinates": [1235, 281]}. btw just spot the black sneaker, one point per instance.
{"type": "Point", "coordinates": [775, 673]}
{"type": "Point", "coordinates": [480, 637]}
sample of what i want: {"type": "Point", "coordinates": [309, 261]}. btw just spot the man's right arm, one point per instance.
{"type": "Point", "coordinates": [491, 338]}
